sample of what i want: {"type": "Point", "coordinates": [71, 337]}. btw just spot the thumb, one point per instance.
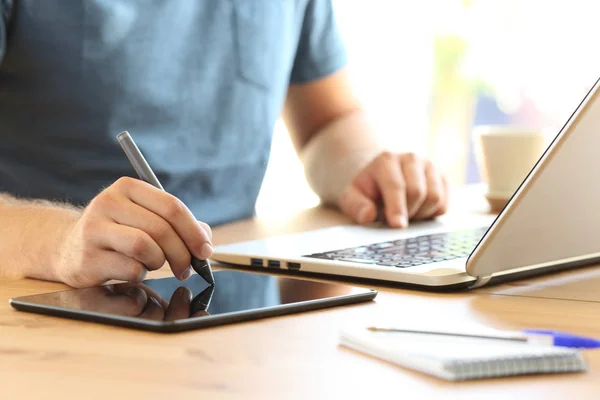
{"type": "Point", "coordinates": [357, 205]}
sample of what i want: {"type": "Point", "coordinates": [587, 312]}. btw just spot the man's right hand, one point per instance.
{"type": "Point", "coordinates": [129, 228]}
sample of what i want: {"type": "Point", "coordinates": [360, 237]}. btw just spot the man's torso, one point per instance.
{"type": "Point", "coordinates": [198, 84]}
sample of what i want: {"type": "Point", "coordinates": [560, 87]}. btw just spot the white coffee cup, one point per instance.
{"type": "Point", "coordinates": [505, 155]}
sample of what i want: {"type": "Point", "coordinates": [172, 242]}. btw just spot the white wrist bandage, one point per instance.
{"type": "Point", "coordinates": [337, 154]}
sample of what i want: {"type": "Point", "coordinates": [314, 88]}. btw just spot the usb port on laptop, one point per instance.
{"type": "Point", "coordinates": [293, 265]}
{"type": "Point", "coordinates": [274, 264]}
{"type": "Point", "coordinates": [256, 262]}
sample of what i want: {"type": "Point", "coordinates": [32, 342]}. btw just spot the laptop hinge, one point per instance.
{"type": "Point", "coordinates": [480, 281]}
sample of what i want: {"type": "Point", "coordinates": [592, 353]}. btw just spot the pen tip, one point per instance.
{"type": "Point", "coordinates": [202, 267]}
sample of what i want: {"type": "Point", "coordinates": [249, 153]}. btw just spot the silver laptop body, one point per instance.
{"type": "Point", "coordinates": [552, 222]}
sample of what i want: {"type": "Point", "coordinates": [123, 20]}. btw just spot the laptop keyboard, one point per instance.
{"type": "Point", "coordinates": [405, 253]}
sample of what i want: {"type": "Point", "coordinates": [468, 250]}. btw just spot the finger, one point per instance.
{"type": "Point", "coordinates": [207, 229]}
{"type": "Point", "coordinates": [416, 185]}
{"type": "Point", "coordinates": [153, 310]}
{"type": "Point", "coordinates": [357, 205]}
{"type": "Point", "coordinates": [367, 185]}
{"type": "Point", "coordinates": [131, 242]}
{"type": "Point", "coordinates": [171, 209]}
{"type": "Point", "coordinates": [444, 207]}
{"type": "Point", "coordinates": [179, 306]}
{"type": "Point", "coordinates": [111, 264]}
{"type": "Point", "coordinates": [435, 197]}
{"type": "Point", "coordinates": [386, 172]}
{"type": "Point", "coordinates": [173, 248]}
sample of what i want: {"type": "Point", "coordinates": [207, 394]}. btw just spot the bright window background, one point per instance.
{"type": "Point", "coordinates": [428, 71]}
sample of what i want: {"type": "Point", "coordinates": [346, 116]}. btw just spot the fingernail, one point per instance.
{"type": "Point", "coordinates": [403, 221]}
{"type": "Point", "coordinates": [362, 214]}
{"type": "Point", "coordinates": [206, 251]}
{"type": "Point", "coordinates": [399, 220]}
{"type": "Point", "coordinates": [186, 274]}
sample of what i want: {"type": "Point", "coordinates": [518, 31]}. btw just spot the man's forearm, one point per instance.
{"type": "Point", "coordinates": [30, 235]}
{"type": "Point", "coordinates": [335, 154]}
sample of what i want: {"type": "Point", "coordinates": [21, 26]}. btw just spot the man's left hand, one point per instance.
{"type": "Point", "coordinates": [405, 185]}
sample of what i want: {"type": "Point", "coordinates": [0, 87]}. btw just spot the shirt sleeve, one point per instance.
{"type": "Point", "coordinates": [320, 50]}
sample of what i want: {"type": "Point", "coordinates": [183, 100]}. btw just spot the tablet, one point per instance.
{"type": "Point", "coordinates": [171, 305]}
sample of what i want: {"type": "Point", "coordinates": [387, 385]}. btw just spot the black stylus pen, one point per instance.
{"type": "Point", "coordinates": [141, 166]}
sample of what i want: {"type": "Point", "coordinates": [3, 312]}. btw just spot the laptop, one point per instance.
{"type": "Point", "coordinates": [551, 222]}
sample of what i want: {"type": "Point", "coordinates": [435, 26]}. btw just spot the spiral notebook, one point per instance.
{"type": "Point", "coordinates": [456, 358]}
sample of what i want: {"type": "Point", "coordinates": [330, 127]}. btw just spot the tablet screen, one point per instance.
{"type": "Point", "coordinates": [169, 299]}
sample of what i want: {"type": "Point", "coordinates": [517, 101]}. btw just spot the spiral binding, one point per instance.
{"type": "Point", "coordinates": [519, 365]}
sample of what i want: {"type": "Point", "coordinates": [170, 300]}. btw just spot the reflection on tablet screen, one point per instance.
{"type": "Point", "coordinates": [169, 299]}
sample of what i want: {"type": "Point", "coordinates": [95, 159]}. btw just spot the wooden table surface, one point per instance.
{"type": "Point", "coordinates": [288, 357]}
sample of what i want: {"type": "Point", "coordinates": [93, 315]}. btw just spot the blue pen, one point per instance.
{"type": "Point", "coordinates": [562, 339]}
{"type": "Point", "coordinates": [533, 336]}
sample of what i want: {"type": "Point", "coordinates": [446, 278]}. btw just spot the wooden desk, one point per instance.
{"type": "Point", "coordinates": [288, 357]}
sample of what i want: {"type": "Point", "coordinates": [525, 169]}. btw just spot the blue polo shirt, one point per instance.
{"type": "Point", "coordinates": [199, 84]}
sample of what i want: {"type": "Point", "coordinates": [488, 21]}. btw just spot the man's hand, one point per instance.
{"type": "Point", "coordinates": [334, 139]}
{"type": "Point", "coordinates": [406, 186]}
{"type": "Point", "coordinates": [129, 228]}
